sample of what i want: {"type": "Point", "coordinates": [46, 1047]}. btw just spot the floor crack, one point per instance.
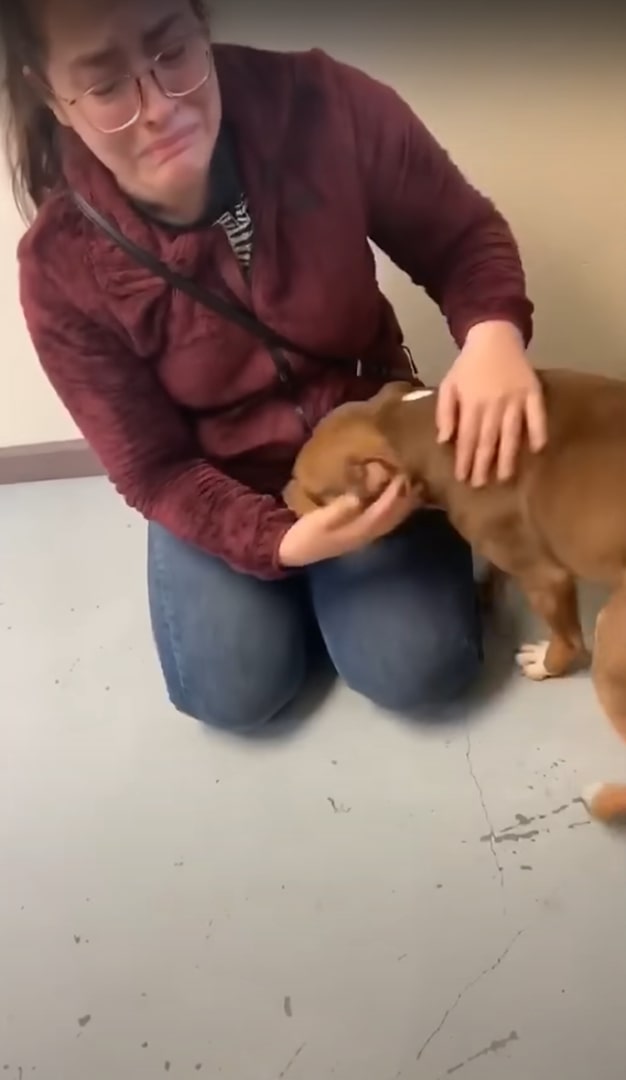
{"type": "Point", "coordinates": [292, 1061]}
{"type": "Point", "coordinates": [466, 989]}
{"type": "Point", "coordinates": [486, 814]}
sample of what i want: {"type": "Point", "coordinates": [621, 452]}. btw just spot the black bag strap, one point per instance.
{"type": "Point", "coordinates": [209, 299]}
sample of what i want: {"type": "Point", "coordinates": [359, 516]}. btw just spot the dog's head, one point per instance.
{"type": "Point", "coordinates": [348, 453]}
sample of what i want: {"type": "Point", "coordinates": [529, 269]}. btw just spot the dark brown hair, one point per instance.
{"type": "Point", "coordinates": [30, 126]}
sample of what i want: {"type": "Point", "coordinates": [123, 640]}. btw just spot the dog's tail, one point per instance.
{"type": "Point", "coordinates": [607, 802]}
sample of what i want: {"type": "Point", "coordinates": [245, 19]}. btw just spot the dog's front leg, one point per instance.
{"type": "Point", "coordinates": [551, 593]}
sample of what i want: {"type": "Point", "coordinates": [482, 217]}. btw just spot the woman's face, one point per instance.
{"type": "Point", "coordinates": [161, 158]}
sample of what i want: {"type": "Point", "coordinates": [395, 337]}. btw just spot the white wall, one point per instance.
{"type": "Point", "coordinates": [29, 411]}
{"type": "Point", "coordinates": [534, 116]}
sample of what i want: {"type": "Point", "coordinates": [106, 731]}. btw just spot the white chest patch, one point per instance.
{"type": "Point", "coordinates": [415, 395]}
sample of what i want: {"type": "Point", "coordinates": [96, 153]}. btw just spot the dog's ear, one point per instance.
{"type": "Point", "coordinates": [368, 470]}
{"type": "Point", "coordinates": [367, 478]}
{"type": "Point", "coordinates": [297, 500]}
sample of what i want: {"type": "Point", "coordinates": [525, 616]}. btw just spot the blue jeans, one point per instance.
{"type": "Point", "coordinates": [399, 620]}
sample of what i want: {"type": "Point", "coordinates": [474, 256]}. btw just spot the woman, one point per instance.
{"type": "Point", "coordinates": [261, 176]}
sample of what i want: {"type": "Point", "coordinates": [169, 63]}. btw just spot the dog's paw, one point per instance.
{"type": "Point", "coordinates": [531, 660]}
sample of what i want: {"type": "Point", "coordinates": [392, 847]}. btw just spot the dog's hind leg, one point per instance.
{"type": "Point", "coordinates": [508, 542]}
{"type": "Point", "coordinates": [551, 593]}
{"type": "Point", "coordinates": [608, 801]}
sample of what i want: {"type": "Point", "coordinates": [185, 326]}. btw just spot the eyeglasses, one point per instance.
{"type": "Point", "coordinates": [115, 104]}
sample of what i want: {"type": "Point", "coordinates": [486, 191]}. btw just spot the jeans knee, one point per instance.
{"type": "Point", "coordinates": [400, 617]}
{"type": "Point", "coordinates": [232, 649]}
{"type": "Point", "coordinates": [437, 675]}
{"type": "Point", "coordinates": [235, 709]}
{"type": "Point", "coordinates": [445, 674]}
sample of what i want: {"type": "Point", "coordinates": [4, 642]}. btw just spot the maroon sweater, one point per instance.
{"type": "Point", "coordinates": [329, 158]}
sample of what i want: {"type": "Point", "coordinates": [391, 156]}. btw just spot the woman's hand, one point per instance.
{"type": "Point", "coordinates": [343, 525]}
{"type": "Point", "coordinates": [489, 399]}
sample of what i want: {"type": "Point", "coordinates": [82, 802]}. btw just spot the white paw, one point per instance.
{"type": "Point", "coordinates": [531, 659]}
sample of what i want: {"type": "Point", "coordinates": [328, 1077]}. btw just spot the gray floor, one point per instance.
{"type": "Point", "coordinates": [326, 903]}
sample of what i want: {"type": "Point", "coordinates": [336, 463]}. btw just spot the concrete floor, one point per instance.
{"type": "Point", "coordinates": [324, 903]}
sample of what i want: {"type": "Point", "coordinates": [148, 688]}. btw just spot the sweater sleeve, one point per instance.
{"type": "Point", "coordinates": [431, 222]}
{"type": "Point", "coordinates": [142, 440]}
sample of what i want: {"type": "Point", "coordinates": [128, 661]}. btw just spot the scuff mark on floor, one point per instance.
{"type": "Point", "coordinates": [493, 1048]}
{"type": "Point", "coordinates": [509, 837]}
{"type": "Point", "coordinates": [287, 1007]}
{"type": "Point", "coordinates": [291, 1061]}
{"type": "Point", "coordinates": [338, 808]}
{"type": "Point", "coordinates": [523, 820]}
{"type": "Point", "coordinates": [466, 989]}
{"type": "Point", "coordinates": [84, 1020]}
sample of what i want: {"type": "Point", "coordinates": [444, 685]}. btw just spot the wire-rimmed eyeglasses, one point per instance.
{"type": "Point", "coordinates": [115, 103]}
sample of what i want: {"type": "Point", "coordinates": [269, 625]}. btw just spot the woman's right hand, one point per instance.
{"type": "Point", "coordinates": [344, 526]}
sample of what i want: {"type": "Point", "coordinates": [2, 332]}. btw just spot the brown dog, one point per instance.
{"type": "Point", "coordinates": [563, 517]}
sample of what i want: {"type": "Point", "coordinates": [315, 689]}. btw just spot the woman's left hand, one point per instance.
{"type": "Point", "coordinates": [489, 399]}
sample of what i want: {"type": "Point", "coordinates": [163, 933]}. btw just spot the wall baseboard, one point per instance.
{"type": "Point", "coordinates": [65, 460]}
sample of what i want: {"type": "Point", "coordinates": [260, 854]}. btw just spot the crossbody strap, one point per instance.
{"type": "Point", "coordinates": [235, 313]}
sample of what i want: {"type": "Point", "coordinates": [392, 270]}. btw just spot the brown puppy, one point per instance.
{"type": "Point", "coordinates": [563, 517]}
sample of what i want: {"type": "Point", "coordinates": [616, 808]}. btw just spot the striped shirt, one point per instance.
{"type": "Point", "coordinates": [237, 224]}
